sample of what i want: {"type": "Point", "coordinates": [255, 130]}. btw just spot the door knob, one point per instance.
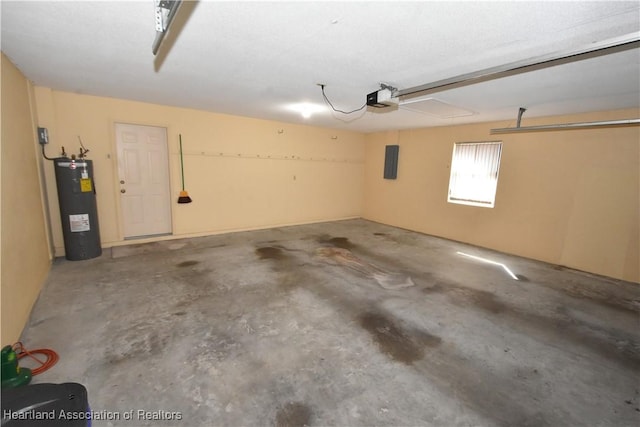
{"type": "Point", "coordinates": [122, 181]}
{"type": "Point", "coordinates": [122, 190]}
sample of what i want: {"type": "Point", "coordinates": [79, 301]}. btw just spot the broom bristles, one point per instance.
{"type": "Point", "coordinates": [184, 197]}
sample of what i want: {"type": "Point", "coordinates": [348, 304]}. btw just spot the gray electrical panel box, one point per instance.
{"type": "Point", "coordinates": [391, 161]}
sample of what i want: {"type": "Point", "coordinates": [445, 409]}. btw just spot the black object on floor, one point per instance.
{"type": "Point", "coordinates": [55, 405]}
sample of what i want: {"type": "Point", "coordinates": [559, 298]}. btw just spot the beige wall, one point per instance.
{"type": "Point", "coordinates": [241, 173]}
{"type": "Point", "coordinates": [570, 197]}
{"type": "Point", "coordinates": [24, 252]}
{"type": "Point", "coordinates": [566, 197]}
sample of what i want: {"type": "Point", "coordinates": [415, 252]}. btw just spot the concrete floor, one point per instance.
{"type": "Point", "coordinates": [349, 323]}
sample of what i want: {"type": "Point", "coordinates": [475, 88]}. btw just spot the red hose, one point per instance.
{"type": "Point", "coordinates": [52, 357]}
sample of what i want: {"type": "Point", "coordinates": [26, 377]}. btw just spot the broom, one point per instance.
{"type": "Point", "coordinates": [184, 196]}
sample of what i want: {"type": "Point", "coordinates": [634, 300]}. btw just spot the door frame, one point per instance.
{"type": "Point", "coordinates": [113, 156]}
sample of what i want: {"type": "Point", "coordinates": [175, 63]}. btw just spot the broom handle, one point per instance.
{"type": "Point", "coordinates": [181, 163]}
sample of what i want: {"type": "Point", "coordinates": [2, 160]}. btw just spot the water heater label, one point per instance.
{"type": "Point", "coordinates": [85, 185]}
{"type": "Point", "coordinates": [79, 223]}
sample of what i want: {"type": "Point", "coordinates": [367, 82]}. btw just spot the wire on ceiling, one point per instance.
{"type": "Point", "coordinates": [324, 95]}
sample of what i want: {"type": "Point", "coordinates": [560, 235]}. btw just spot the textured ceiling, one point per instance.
{"type": "Point", "coordinates": [258, 59]}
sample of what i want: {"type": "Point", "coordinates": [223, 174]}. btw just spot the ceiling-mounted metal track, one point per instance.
{"type": "Point", "coordinates": [630, 41]}
{"type": "Point", "coordinates": [568, 126]}
{"type": "Point", "coordinates": [165, 12]}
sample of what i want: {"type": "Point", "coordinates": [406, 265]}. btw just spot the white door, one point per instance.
{"type": "Point", "coordinates": [143, 168]}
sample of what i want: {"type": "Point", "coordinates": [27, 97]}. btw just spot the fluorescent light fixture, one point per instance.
{"type": "Point", "coordinates": [306, 109]}
{"type": "Point", "coordinates": [488, 261]}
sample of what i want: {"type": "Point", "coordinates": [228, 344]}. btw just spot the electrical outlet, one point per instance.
{"type": "Point", "coordinates": [43, 136]}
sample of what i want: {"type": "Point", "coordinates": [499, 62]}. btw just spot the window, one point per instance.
{"type": "Point", "coordinates": [474, 173]}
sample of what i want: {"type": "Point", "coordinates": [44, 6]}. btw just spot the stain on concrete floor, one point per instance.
{"type": "Point", "coordinates": [395, 342]}
{"type": "Point", "coordinates": [294, 414]}
{"type": "Point", "coordinates": [616, 345]}
{"type": "Point", "coordinates": [266, 331]}
{"type": "Point", "coordinates": [189, 263]}
{"type": "Point", "coordinates": [338, 242]}
{"type": "Point", "coordinates": [270, 252]}
{"type": "Point", "coordinates": [344, 257]}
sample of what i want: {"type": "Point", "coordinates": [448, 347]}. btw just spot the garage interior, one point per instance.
{"type": "Point", "coordinates": [305, 283]}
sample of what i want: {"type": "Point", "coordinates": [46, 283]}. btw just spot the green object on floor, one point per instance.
{"type": "Point", "coordinates": [12, 374]}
